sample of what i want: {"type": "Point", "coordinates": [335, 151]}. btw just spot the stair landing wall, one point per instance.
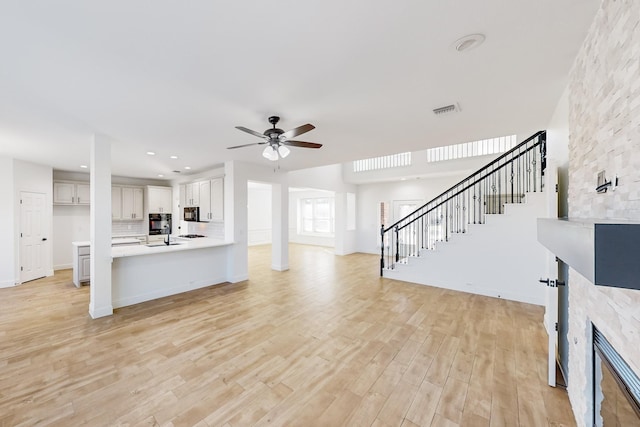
{"type": "Point", "coordinates": [501, 258]}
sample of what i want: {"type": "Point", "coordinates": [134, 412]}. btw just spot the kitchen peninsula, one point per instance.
{"type": "Point", "coordinates": [141, 272]}
{"type": "Point", "coordinates": [145, 272]}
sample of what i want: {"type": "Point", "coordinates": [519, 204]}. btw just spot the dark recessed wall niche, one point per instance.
{"type": "Point", "coordinates": [617, 255]}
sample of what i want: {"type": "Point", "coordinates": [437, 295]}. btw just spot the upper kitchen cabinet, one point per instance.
{"type": "Point", "coordinates": [71, 193]}
{"type": "Point", "coordinates": [208, 195]}
{"type": "Point", "coordinates": [192, 194]}
{"type": "Point", "coordinates": [217, 199]}
{"type": "Point", "coordinates": [159, 199]}
{"type": "Point", "coordinates": [127, 203]}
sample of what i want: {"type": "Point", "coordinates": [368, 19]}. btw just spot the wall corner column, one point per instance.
{"type": "Point", "coordinates": [280, 226]}
{"type": "Point", "coordinates": [100, 303]}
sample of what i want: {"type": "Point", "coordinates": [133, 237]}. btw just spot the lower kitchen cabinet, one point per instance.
{"type": "Point", "coordinates": [81, 263]}
{"type": "Point", "coordinates": [82, 256]}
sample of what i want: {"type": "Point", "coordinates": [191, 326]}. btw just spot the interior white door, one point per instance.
{"type": "Point", "coordinates": [551, 298]}
{"type": "Point", "coordinates": [551, 317]}
{"type": "Point", "coordinates": [402, 208]}
{"type": "Point", "coordinates": [34, 243]}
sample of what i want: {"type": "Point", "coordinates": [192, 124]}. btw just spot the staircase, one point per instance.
{"type": "Point", "coordinates": [478, 236]}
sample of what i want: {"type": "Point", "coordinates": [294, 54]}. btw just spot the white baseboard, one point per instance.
{"type": "Point", "coordinates": [100, 312]}
{"type": "Point", "coordinates": [238, 278]}
{"type": "Point", "coordinates": [8, 284]}
{"type": "Point", "coordinates": [137, 299]}
{"type": "Point", "coordinates": [62, 267]}
{"type": "Point", "coordinates": [280, 267]}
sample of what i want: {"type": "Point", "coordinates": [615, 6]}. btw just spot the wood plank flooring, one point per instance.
{"type": "Point", "coordinates": [327, 343]}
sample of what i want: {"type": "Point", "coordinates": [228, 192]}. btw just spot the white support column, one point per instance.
{"type": "Point", "coordinates": [280, 226]}
{"type": "Point", "coordinates": [236, 221]}
{"type": "Point", "coordinates": [100, 226]}
{"type": "Point", "coordinates": [344, 223]}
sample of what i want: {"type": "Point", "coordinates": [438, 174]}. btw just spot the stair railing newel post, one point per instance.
{"type": "Point", "coordinates": [397, 244]}
{"type": "Point", "coordinates": [381, 249]}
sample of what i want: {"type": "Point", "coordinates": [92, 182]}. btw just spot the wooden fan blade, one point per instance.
{"type": "Point", "coordinates": [298, 131]}
{"type": "Point", "coordinates": [301, 144]}
{"type": "Point", "coordinates": [246, 145]}
{"type": "Point", "coordinates": [252, 132]}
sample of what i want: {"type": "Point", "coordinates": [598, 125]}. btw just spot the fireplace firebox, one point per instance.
{"type": "Point", "coordinates": [616, 388]}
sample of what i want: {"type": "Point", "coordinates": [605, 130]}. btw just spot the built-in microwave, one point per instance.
{"type": "Point", "coordinates": [159, 224]}
{"type": "Point", "coordinates": [192, 213]}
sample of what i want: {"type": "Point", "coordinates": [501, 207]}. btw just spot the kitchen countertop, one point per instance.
{"type": "Point", "coordinates": [185, 245]}
{"type": "Point", "coordinates": [114, 241]}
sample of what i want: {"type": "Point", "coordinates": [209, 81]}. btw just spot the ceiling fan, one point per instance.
{"type": "Point", "coordinates": [278, 139]}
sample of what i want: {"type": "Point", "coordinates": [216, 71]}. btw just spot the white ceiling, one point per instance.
{"type": "Point", "coordinates": [176, 77]}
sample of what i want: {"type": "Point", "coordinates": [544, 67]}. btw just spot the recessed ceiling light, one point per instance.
{"type": "Point", "coordinates": [151, 153]}
{"type": "Point", "coordinates": [174, 157]}
{"type": "Point", "coordinates": [187, 167]}
{"type": "Point", "coordinates": [160, 175]}
{"type": "Point", "coordinates": [84, 166]}
{"type": "Point", "coordinates": [469, 42]}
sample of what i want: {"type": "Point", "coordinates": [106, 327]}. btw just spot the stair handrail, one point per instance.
{"type": "Point", "coordinates": [482, 176]}
{"type": "Point", "coordinates": [479, 171]}
{"type": "Point", "coordinates": [459, 192]}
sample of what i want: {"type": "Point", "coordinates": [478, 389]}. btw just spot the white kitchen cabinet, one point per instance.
{"type": "Point", "coordinates": [217, 199]}
{"type": "Point", "coordinates": [82, 256]}
{"type": "Point", "coordinates": [159, 199]}
{"type": "Point", "coordinates": [183, 199]}
{"type": "Point", "coordinates": [192, 194]}
{"type": "Point", "coordinates": [211, 200]}
{"type": "Point", "coordinates": [71, 193]}
{"type": "Point", "coordinates": [127, 203]}
{"type": "Point", "coordinates": [132, 203]}
{"type": "Point", "coordinates": [83, 194]}
{"type": "Point", "coordinates": [205, 200]}
{"type": "Point", "coordinates": [81, 263]}
{"type": "Point", "coordinates": [116, 202]}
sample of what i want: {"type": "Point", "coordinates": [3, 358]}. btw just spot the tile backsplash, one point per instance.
{"type": "Point", "coordinates": [119, 228]}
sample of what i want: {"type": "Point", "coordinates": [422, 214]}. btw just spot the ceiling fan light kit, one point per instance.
{"type": "Point", "coordinates": [277, 139]}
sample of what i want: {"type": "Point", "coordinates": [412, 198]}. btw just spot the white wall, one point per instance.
{"type": "Point", "coordinates": [500, 258]}
{"type": "Point", "coordinates": [419, 168]}
{"type": "Point", "coordinates": [8, 274]}
{"type": "Point", "coordinates": [558, 150]}
{"type": "Point", "coordinates": [322, 178]}
{"type": "Point", "coordinates": [259, 214]}
{"type": "Point", "coordinates": [369, 197]}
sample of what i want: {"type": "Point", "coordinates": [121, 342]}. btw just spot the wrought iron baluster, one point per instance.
{"type": "Point", "coordinates": [397, 244]}
{"type": "Point", "coordinates": [534, 167]}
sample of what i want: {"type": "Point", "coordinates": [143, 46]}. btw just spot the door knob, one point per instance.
{"type": "Point", "coordinates": [44, 238]}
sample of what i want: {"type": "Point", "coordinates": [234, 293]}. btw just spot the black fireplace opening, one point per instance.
{"type": "Point", "coordinates": [616, 388]}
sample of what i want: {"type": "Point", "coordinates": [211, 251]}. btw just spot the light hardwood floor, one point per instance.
{"type": "Point", "coordinates": [327, 343]}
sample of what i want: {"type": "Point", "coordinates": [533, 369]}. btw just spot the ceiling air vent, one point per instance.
{"type": "Point", "coordinates": [177, 171]}
{"type": "Point", "coordinates": [448, 109]}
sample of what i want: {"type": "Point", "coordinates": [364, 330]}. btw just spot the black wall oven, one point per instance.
{"type": "Point", "coordinates": [159, 224]}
